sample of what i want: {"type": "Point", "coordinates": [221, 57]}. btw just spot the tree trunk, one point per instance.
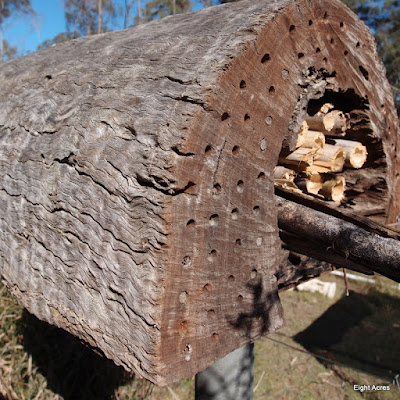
{"type": "Point", "coordinates": [1, 33]}
{"type": "Point", "coordinates": [100, 16]}
{"type": "Point", "coordinates": [137, 195]}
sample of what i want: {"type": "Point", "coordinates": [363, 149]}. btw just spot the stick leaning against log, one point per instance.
{"type": "Point", "coordinates": [338, 240]}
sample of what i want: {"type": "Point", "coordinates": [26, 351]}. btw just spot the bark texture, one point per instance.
{"type": "Point", "coordinates": [137, 197]}
{"type": "Point", "coordinates": [339, 242]}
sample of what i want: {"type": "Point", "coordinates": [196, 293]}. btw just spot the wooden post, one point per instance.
{"type": "Point", "coordinates": [229, 378]}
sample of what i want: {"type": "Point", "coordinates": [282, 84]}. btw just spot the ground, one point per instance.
{"type": "Point", "coordinates": [360, 333]}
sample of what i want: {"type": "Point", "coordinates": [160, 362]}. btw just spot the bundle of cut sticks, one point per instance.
{"type": "Point", "coordinates": [322, 151]}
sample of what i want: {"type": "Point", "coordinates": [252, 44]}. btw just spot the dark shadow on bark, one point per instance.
{"type": "Point", "coordinates": [263, 302]}
{"type": "Point", "coordinates": [360, 331]}
{"type": "Point", "coordinates": [71, 368]}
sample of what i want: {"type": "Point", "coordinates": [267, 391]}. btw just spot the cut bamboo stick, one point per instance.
{"type": "Point", "coordinates": [333, 188]}
{"type": "Point", "coordinates": [281, 172]}
{"type": "Point", "coordinates": [310, 183]}
{"type": "Point", "coordinates": [333, 123]}
{"type": "Point", "coordinates": [301, 157]}
{"type": "Point", "coordinates": [325, 108]}
{"type": "Point", "coordinates": [356, 152]}
{"type": "Point", "coordinates": [286, 184]}
{"type": "Point", "coordinates": [333, 157]}
{"type": "Point", "coordinates": [311, 139]}
{"type": "Point", "coordinates": [317, 168]}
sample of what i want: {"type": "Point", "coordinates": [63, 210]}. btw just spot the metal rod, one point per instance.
{"type": "Point", "coordinates": [230, 378]}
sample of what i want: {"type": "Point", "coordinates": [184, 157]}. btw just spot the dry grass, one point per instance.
{"type": "Point", "coordinates": [38, 361]}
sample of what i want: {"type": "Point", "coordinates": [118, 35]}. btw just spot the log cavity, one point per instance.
{"type": "Point", "coordinates": [338, 157]}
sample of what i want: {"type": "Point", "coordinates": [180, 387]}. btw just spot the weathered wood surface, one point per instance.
{"type": "Point", "coordinates": [137, 197]}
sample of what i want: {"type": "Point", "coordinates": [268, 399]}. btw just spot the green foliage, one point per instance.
{"type": "Point", "coordinates": [9, 8]}
{"type": "Point", "coordinates": [156, 9]}
{"type": "Point", "coordinates": [82, 16]}
{"type": "Point", "coordinates": [61, 37]}
{"type": "Point", "coordinates": [9, 52]}
{"type": "Point", "coordinates": [383, 18]}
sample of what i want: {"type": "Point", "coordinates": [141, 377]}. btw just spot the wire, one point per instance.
{"type": "Point", "coordinates": [395, 379]}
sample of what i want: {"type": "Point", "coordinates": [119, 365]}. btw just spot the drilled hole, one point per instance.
{"type": "Point", "coordinates": [246, 117]}
{"type": "Point", "coordinates": [235, 150]}
{"type": "Point", "coordinates": [240, 186]}
{"type": "Point", "coordinates": [310, 22]}
{"type": "Point", "coordinates": [263, 144]}
{"type": "Point", "coordinates": [212, 256]}
{"type": "Point", "coordinates": [206, 288]}
{"type": "Point", "coordinates": [345, 52]}
{"type": "Point", "coordinates": [208, 149]}
{"type": "Point", "coordinates": [300, 56]}
{"type": "Point", "coordinates": [253, 274]}
{"type": "Point", "coordinates": [256, 210]}
{"type": "Point", "coordinates": [325, 15]}
{"type": "Point", "coordinates": [231, 278]}
{"type": "Point", "coordinates": [186, 262]}
{"type": "Point", "coordinates": [261, 175]}
{"type": "Point", "coordinates": [242, 84]}
{"type": "Point", "coordinates": [183, 297]}
{"type": "Point", "coordinates": [217, 189]}
{"type": "Point", "coordinates": [341, 24]}
{"type": "Point", "coordinates": [191, 222]}
{"type": "Point", "coordinates": [214, 336]}
{"type": "Point", "coordinates": [214, 219]}
{"type": "Point", "coordinates": [317, 50]}
{"type": "Point", "coordinates": [292, 28]}
{"type": "Point", "coordinates": [238, 242]}
{"type": "Point", "coordinates": [285, 74]}
{"type": "Point", "coordinates": [332, 40]}
{"type": "Point", "coordinates": [235, 214]}
{"type": "Point", "coordinates": [240, 298]}
{"type": "Point", "coordinates": [325, 59]}
{"type": "Point", "coordinates": [49, 77]}
{"type": "Point", "coordinates": [364, 72]}
{"type": "Point", "coordinates": [211, 313]}
{"type": "Point", "coordinates": [266, 57]}
{"type": "Point", "coordinates": [358, 44]}
{"type": "Point", "coordinates": [225, 116]}
{"type": "Point", "coordinates": [268, 120]}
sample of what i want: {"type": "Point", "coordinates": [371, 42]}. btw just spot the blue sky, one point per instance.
{"type": "Point", "coordinates": [27, 35]}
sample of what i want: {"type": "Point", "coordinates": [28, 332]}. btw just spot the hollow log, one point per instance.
{"type": "Point", "coordinates": [137, 195]}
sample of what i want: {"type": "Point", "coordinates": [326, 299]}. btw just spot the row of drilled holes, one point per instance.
{"type": "Point", "coordinates": [256, 209]}
{"type": "Point", "coordinates": [214, 218]}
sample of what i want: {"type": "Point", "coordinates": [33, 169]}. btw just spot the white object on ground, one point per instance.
{"type": "Point", "coordinates": [315, 285]}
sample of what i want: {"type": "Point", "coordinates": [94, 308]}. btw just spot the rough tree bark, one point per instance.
{"type": "Point", "coordinates": [137, 198]}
